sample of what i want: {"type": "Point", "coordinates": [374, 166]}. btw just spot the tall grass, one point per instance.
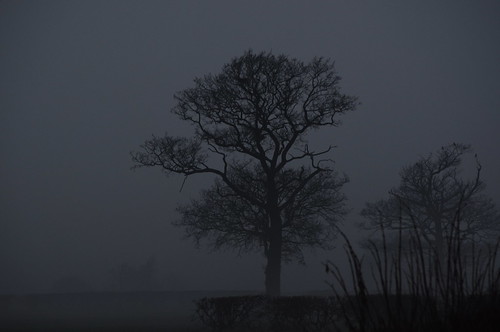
{"type": "Point", "coordinates": [416, 287]}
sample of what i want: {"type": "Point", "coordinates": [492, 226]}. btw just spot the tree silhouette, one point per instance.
{"type": "Point", "coordinates": [125, 277]}
{"type": "Point", "coordinates": [251, 123]}
{"type": "Point", "coordinates": [434, 200]}
{"type": "Point", "coordinates": [232, 222]}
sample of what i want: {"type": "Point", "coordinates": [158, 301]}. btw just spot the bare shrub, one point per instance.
{"type": "Point", "coordinates": [250, 313]}
{"type": "Point", "coordinates": [226, 313]}
{"type": "Point", "coordinates": [417, 289]}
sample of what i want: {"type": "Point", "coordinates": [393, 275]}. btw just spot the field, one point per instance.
{"type": "Point", "coordinates": [135, 311]}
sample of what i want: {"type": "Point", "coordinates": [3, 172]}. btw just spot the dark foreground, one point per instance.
{"type": "Point", "coordinates": [136, 311]}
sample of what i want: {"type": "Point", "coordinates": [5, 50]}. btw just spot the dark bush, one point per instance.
{"type": "Point", "coordinates": [301, 313]}
{"type": "Point", "coordinates": [248, 313]}
{"type": "Point", "coordinates": [227, 313]}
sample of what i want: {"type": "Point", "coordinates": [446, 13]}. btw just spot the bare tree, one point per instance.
{"type": "Point", "coordinates": [126, 277]}
{"type": "Point", "coordinates": [250, 124]}
{"type": "Point", "coordinates": [434, 200]}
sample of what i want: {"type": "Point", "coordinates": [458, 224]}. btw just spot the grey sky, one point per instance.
{"type": "Point", "coordinates": [84, 82]}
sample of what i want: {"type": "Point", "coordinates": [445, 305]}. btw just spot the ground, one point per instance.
{"type": "Point", "coordinates": [136, 311]}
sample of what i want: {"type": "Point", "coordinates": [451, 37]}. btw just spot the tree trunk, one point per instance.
{"type": "Point", "coordinates": [273, 268]}
{"type": "Point", "coordinates": [439, 243]}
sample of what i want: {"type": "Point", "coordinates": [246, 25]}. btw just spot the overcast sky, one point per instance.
{"type": "Point", "coordinates": [82, 83]}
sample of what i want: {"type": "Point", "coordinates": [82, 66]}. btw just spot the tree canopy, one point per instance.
{"type": "Point", "coordinates": [436, 200]}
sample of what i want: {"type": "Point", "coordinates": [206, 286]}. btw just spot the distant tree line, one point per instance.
{"type": "Point", "coordinates": [143, 277]}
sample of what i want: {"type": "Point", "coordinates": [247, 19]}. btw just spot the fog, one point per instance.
{"type": "Point", "coordinates": [83, 83]}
